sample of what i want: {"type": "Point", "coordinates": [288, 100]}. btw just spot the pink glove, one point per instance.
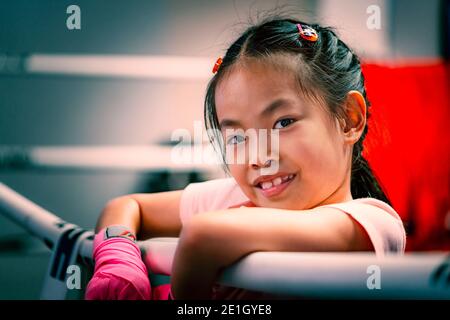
{"type": "Point", "coordinates": [120, 273]}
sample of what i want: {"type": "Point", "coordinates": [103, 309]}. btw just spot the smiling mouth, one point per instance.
{"type": "Point", "coordinates": [276, 186]}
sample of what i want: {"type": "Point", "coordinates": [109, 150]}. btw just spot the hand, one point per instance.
{"type": "Point", "coordinates": [243, 204]}
{"type": "Point", "coordinates": [120, 273]}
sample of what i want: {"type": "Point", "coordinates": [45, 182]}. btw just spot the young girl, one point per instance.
{"type": "Point", "coordinates": [303, 82]}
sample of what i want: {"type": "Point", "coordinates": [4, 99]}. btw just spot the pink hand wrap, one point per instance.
{"type": "Point", "coordinates": [120, 273]}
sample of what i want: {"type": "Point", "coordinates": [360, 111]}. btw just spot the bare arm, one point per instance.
{"type": "Point", "coordinates": [147, 215]}
{"type": "Point", "coordinates": [214, 240]}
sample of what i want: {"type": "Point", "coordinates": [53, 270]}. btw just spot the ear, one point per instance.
{"type": "Point", "coordinates": [355, 122]}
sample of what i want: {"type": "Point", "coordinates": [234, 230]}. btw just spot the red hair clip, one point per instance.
{"type": "Point", "coordinates": [307, 33]}
{"type": "Point", "coordinates": [217, 65]}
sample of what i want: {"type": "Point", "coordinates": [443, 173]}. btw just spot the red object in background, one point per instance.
{"type": "Point", "coordinates": [408, 146]}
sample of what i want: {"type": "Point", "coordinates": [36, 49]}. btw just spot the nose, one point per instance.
{"type": "Point", "coordinates": [263, 151]}
{"type": "Point", "coordinates": [258, 164]}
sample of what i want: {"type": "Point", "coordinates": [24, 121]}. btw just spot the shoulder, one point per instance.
{"type": "Point", "coordinates": [216, 194]}
{"type": "Point", "coordinates": [381, 222]}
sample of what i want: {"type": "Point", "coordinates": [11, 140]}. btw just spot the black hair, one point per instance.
{"type": "Point", "coordinates": [327, 68]}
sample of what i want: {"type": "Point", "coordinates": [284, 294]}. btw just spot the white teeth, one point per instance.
{"type": "Point", "coordinates": [266, 185]}
{"type": "Point", "coordinates": [277, 181]}
{"type": "Point", "coordinates": [288, 177]}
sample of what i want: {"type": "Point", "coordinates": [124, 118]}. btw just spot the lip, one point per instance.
{"type": "Point", "coordinates": [276, 190]}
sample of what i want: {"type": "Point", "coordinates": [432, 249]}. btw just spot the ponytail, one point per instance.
{"type": "Point", "coordinates": [364, 184]}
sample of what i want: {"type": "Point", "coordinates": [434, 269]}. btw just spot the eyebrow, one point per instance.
{"type": "Point", "coordinates": [280, 103]}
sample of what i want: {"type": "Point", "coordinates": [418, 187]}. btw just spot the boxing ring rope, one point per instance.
{"type": "Point", "coordinates": [136, 158]}
{"type": "Point", "coordinates": [313, 275]}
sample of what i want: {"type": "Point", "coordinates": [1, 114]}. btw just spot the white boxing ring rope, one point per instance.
{"type": "Point", "coordinates": [144, 158]}
{"type": "Point", "coordinates": [311, 275]}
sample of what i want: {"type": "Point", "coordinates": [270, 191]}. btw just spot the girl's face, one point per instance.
{"type": "Point", "coordinates": [313, 161]}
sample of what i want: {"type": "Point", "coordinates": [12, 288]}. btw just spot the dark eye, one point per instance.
{"type": "Point", "coordinates": [236, 139]}
{"type": "Point", "coordinates": [283, 123]}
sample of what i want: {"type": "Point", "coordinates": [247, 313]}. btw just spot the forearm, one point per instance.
{"type": "Point", "coordinates": [215, 240]}
{"type": "Point", "coordinates": [120, 211]}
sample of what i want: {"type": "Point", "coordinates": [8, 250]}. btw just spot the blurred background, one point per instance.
{"type": "Point", "coordinates": [87, 114]}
